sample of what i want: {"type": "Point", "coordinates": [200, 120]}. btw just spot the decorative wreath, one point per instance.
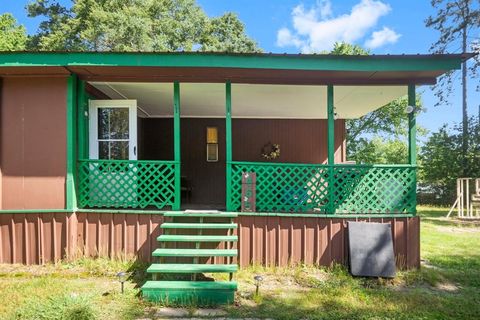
{"type": "Point", "coordinates": [271, 151]}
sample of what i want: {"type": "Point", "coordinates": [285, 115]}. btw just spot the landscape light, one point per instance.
{"type": "Point", "coordinates": [122, 277]}
{"type": "Point", "coordinates": [258, 280]}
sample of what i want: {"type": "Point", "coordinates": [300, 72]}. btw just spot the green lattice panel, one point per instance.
{"type": "Point", "coordinates": [126, 184]}
{"type": "Point", "coordinates": [283, 188]}
{"type": "Point", "coordinates": [364, 189]}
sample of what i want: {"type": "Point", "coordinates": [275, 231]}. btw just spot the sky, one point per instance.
{"type": "Point", "coordinates": [293, 26]}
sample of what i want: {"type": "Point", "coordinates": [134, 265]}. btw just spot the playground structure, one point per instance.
{"type": "Point", "coordinates": [467, 204]}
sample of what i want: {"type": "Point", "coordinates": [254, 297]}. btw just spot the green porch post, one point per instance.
{"type": "Point", "coordinates": [228, 143]}
{"type": "Point", "coordinates": [412, 128]}
{"type": "Point", "coordinates": [70, 195]}
{"type": "Point", "coordinates": [176, 148]}
{"type": "Point", "coordinates": [412, 139]}
{"type": "Point", "coordinates": [330, 147]}
{"type": "Point", "coordinates": [82, 108]}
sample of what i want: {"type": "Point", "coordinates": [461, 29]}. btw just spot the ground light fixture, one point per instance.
{"type": "Point", "coordinates": [122, 277]}
{"type": "Point", "coordinates": [258, 280]}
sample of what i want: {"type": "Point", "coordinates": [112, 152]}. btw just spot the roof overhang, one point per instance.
{"type": "Point", "coordinates": [238, 68]}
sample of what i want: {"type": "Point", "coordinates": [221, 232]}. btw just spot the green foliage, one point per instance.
{"type": "Point", "coordinates": [343, 48]}
{"type": "Point", "coordinates": [12, 36]}
{"type": "Point", "coordinates": [66, 307]}
{"type": "Point", "coordinates": [390, 123]}
{"type": "Point", "coordinates": [441, 158]}
{"type": "Point", "coordinates": [227, 34]}
{"type": "Point", "coordinates": [135, 25]}
{"type": "Point", "coordinates": [378, 150]}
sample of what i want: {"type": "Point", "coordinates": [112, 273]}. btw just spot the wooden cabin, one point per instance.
{"type": "Point", "coordinates": [98, 150]}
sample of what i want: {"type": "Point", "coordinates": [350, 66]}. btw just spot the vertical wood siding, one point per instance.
{"type": "Point", "coordinates": [32, 142]}
{"type": "Point", "coordinates": [48, 237]}
{"type": "Point", "coordinates": [301, 141]}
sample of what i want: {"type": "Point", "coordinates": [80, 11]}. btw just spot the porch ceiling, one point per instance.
{"type": "Point", "coordinates": [252, 100]}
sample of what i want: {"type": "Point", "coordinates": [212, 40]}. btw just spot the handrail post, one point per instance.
{"type": "Point", "coordinates": [176, 149]}
{"type": "Point", "coordinates": [412, 139]}
{"type": "Point", "coordinates": [228, 144]}
{"type": "Point", "coordinates": [330, 148]}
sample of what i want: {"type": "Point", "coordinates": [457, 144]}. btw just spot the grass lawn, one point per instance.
{"type": "Point", "coordinates": [446, 287]}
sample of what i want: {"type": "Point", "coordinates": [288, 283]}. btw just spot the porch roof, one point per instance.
{"type": "Point", "coordinates": [254, 68]}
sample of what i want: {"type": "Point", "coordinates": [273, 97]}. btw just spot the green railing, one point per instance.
{"type": "Point", "coordinates": [126, 184]}
{"type": "Point", "coordinates": [361, 189]}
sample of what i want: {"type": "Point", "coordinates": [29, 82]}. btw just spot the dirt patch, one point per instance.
{"type": "Point", "coordinates": [456, 229]}
{"type": "Point", "coordinates": [446, 287]}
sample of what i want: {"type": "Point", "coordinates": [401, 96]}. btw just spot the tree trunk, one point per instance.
{"type": "Point", "coordinates": [464, 107]}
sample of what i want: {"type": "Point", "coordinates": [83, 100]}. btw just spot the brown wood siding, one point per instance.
{"type": "Point", "coordinates": [45, 237]}
{"type": "Point", "coordinates": [301, 141]}
{"type": "Point", "coordinates": [33, 143]}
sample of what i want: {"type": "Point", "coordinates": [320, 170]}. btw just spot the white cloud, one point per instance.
{"type": "Point", "coordinates": [381, 38]}
{"type": "Point", "coordinates": [285, 38]}
{"type": "Point", "coordinates": [316, 29]}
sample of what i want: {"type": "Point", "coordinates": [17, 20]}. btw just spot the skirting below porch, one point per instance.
{"type": "Point", "coordinates": [39, 237]}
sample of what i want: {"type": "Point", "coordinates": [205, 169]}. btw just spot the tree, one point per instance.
{"type": "Point", "coordinates": [457, 21]}
{"type": "Point", "coordinates": [135, 25]}
{"type": "Point", "coordinates": [379, 150]}
{"type": "Point", "coordinates": [442, 160]}
{"type": "Point", "coordinates": [12, 36]}
{"type": "Point", "coordinates": [227, 33]}
{"type": "Point", "coordinates": [389, 121]}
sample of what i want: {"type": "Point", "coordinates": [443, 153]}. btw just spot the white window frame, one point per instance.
{"type": "Point", "coordinates": [93, 107]}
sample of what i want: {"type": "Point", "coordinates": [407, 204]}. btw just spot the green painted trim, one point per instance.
{"type": "Point", "coordinates": [131, 161]}
{"type": "Point", "coordinates": [82, 109]}
{"type": "Point", "coordinates": [228, 144]}
{"type": "Point", "coordinates": [176, 144]}
{"type": "Point", "coordinates": [29, 211]}
{"type": "Point", "coordinates": [123, 211]}
{"type": "Point", "coordinates": [412, 133]}
{"type": "Point", "coordinates": [412, 127]}
{"type": "Point", "coordinates": [331, 125]}
{"type": "Point", "coordinates": [222, 60]}
{"type": "Point", "coordinates": [330, 147]}
{"type": "Point", "coordinates": [286, 164]}
{"type": "Point", "coordinates": [70, 194]}
{"type": "Point", "coordinates": [326, 216]}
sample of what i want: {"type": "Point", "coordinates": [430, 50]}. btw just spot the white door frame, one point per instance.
{"type": "Point", "coordinates": [93, 107]}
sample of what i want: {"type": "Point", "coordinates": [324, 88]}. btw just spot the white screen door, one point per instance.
{"type": "Point", "coordinates": [113, 129]}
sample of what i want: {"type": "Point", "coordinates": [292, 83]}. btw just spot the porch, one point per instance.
{"type": "Point", "coordinates": [171, 170]}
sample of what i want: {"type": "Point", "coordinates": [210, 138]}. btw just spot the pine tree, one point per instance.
{"type": "Point", "coordinates": [457, 21]}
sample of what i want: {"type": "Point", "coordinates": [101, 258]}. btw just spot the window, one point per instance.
{"type": "Point", "coordinates": [212, 144]}
{"type": "Point", "coordinates": [113, 128]}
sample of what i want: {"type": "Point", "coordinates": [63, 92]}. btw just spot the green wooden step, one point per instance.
{"type": "Point", "coordinates": [172, 225]}
{"type": "Point", "coordinates": [195, 238]}
{"type": "Point", "coordinates": [201, 214]}
{"type": "Point", "coordinates": [190, 292]}
{"type": "Point", "coordinates": [191, 268]}
{"type": "Point", "coordinates": [194, 253]}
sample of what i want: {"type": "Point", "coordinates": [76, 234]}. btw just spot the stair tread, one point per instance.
{"type": "Point", "coordinates": [191, 268]}
{"type": "Point", "coordinates": [195, 238]}
{"type": "Point", "coordinates": [195, 252]}
{"type": "Point", "coordinates": [201, 214]}
{"type": "Point", "coordinates": [174, 225]}
{"type": "Point", "coordinates": [189, 285]}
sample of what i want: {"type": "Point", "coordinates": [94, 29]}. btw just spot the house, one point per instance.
{"type": "Point", "coordinates": [100, 152]}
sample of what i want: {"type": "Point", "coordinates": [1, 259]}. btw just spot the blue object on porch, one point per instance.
{"type": "Point", "coordinates": [295, 196]}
